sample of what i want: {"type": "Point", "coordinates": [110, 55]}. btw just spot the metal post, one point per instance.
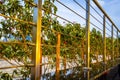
{"type": "Point", "coordinates": [58, 57]}
{"type": "Point", "coordinates": [117, 45]}
{"type": "Point", "coordinates": [104, 42]}
{"type": "Point", "coordinates": [37, 55]}
{"type": "Point", "coordinates": [88, 37]}
{"type": "Point", "coordinates": [112, 45]}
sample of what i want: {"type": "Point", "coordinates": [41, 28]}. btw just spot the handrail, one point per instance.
{"type": "Point", "coordinates": [99, 6]}
{"type": "Point", "coordinates": [90, 46]}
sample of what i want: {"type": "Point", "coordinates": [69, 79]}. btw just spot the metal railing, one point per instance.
{"type": "Point", "coordinates": [62, 48]}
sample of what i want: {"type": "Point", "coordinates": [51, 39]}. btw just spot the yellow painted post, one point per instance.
{"type": "Point", "coordinates": [37, 54]}
{"type": "Point", "coordinates": [58, 57]}
{"type": "Point", "coordinates": [88, 38]}
{"type": "Point", "coordinates": [104, 42]}
{"type": "Point", "coordinates": [117, 45]}
{"type": "Point", "coordinates": [112, 46]}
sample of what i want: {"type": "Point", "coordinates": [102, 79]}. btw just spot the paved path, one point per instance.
{"type": "Point", "coordinates": [113, 74]}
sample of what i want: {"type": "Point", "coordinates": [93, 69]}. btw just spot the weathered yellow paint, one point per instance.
{"type": "Point", "coordinates": [112, 45]}
{"type": "Point", "coordinates": [58, 57]}
{"type": "Point", "coordinates": [37, 54]}
{"type": "Point", "coordinates": [104, 42]}
{"type": "Point", "coordinates": [88, 37]}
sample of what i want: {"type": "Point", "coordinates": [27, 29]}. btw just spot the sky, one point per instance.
{"type": "Point", "coordinates": [111, 7]}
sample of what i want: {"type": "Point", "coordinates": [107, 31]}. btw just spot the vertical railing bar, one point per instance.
{"type": "Point", "coordinates": [58, 57]}
{"type": "Point", "coordinates": [36, 71]}
{"type": "Point", "coordinates": [99, 6]}
{"type": "Point", "coordinates": [88, 38]}
{"type": "Point", "coordinates": [112, 45]}
{"type": "Point", "coordinates": [104, 41]}
{"type": "Point", "coordinates": [117, 45]}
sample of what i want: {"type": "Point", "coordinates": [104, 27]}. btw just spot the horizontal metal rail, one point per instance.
{"type": "Point", "coordinates": [99, 6]}
{"type": "Point", "coordinates": [85, 10]}
{"type": "Point", "coordinates": [71, 9]}
{"type": "Point", "coordinates": [73, 46]}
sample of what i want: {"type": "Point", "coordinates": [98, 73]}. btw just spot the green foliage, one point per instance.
{"type": "Point", "coordinates": [5, 76]}
{"type": "Point", "coordinates": [49, 7]}
{"type": "Point", "coordinates": [96, 40]}
{"type": "Point", "coordinates": [21, 10]}
{"type": "Point", "coordinates": [16, 9]}
{"type": "Point", "coordinates": [14, 52]}
{"type": "Point", "coordinates": [73, 40]}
